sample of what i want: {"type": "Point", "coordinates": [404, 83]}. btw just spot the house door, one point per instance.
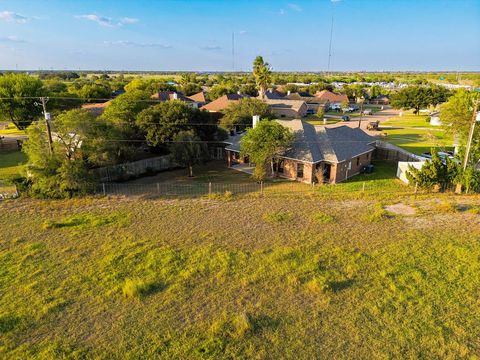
{"type": "Point", "coordinates": [327, 169]}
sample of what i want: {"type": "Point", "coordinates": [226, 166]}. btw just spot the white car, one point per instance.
{"type": "Point", "coordinates": [367, 112]}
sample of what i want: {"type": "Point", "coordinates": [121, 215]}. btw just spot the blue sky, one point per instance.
{"type": "Point", "coordinates": [196, 34]}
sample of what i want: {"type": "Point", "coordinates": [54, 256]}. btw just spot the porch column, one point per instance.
{"type": "Point", "coordinates": [229, 159]}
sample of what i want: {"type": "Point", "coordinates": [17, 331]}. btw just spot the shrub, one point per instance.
{"type": "Point", "coordinates": [277, 216]}
{"type": "Point", "coordinates": [137, 288]}
{"type": "Point", "coordinates": [378, 214]}
{"type": "Point", "coordinates": [226, 196]}
{"type": "Point", "coordinates": [322, 218]}
{"type": "Point", "coordinates": [446, 207]}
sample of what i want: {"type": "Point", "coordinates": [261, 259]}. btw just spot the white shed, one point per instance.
{"type": "Point", "coordinates": [403, 168]}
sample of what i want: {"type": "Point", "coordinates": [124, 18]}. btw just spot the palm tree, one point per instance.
{"type": "Point", "coordinates": [262, 73]}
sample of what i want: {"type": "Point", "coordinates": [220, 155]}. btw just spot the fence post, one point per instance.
{"type": "Point", "coordinates": [313, 186]}
{"type": "Point", "coordinates": [416, 187]}
{"type": "Point", "coordinates": [209, 188]}
{"type": "Point", "coordinates": [158, 188]}
{"type": "Point", "coordinates": [363, 187]}
{"type": "Point", "coordinates": [261, 187]}
{"type": "Point", "coordinates": [104, 190]}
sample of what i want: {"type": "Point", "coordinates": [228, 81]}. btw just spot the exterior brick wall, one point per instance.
{"type": "Point", "coordinates": [340, 172]}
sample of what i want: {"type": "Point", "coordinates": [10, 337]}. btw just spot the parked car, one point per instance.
{"type": "Point", "coordinates": [345, 118]}
{"type": "Point", "coordinates": [367, 112]}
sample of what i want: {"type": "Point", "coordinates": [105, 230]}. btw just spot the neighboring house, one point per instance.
{"type": "Point", "coordinates": [336, 153]}
{"type": "Point", "coordinates": [174, 95]}
{"type": "Point", "coordinates": [96, 109]}
{"type": "Point", "coordinates": [222, 102]}
{"type": "Point", "coordinates": [331, 97]}
{"type": "Point", "coordinates": [435, 119]}
{"type": "Point", "coordinates": [380, 100]}
{"type": "Point", "coordinates": [285, 108]}
{"type": "Point", "coordinates": [313, 102]}
{"type": "Point", "coordinates": [199, 98]}
{"type": "Point", "coordinates": [274, 94]}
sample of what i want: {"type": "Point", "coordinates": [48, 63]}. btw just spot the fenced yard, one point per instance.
{"type": "Point", "coordinates": [216, 179]}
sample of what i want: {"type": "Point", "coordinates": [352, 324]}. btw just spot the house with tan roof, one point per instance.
{"type": "Point", "coordinates": [317, 152]}
{"type": "Point", "coordinates": [331, 97]}
{"type": "Point", "coordinates": [222, 102]}
{"type": "Point", "coordinates": [286, 108]}
{"type": "Point", "coordinates": [199, 98]}
{"type": "Point", "coordinates": [313, 102]}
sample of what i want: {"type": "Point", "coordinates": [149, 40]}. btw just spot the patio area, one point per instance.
{"type": "Point", "coordinates": [245, 168]}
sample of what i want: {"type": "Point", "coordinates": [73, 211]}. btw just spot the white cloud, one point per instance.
{"type": "Point", "coordinates": [11, 39]}
{"type": "Point", "coordinates": [282, 12]}
{"type": "Point", "coordinates": [10, 16]}
{"type": "Point", "coordinates": [211, 47]}
{"type": "Point", "coordinates": [136, 44]}
{"type": "Point", "coordinates": [335, 1]}
{"type": "Point", "coordinates": [242, 32]}
{"type": "Point", "coordinates": [127, 20]}
{"type": "Point", "coordinates": [295, 7]}
{"type": "Point", "coordinates": [106, 21]}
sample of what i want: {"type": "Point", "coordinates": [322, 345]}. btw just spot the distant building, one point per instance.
{"type": "Point", "coordinates": [285, 108]}
{"type": "Point", "coordinates": [223, 102]}
{"type": "Point", "coordinates": [174, 95]}
{"type": "Point", "coordinates": [331, 97]}
{"type": "Point", "coordinates": [435, 119]}
{"type": "Point", "coordinates": [199, 98]}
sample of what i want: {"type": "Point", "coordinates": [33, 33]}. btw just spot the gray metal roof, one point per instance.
{"type": "Point", "coordinates": [318, 143]}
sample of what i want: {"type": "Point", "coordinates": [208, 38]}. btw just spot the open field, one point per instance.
{"type": "Point", "coordinates": [415, 134]}
{"type": "Point", "coordinates": [246, 278]}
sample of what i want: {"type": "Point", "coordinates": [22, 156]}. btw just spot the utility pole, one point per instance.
{"type": "Point", "coordinates": [331, 37]}
{"type": "Point", "coordinates": [361, 112]}
{"type": "Point", "coordinates": [47, 121]}
{"type": "Point", "coordinates": [470, 135]}
{"type": "Point", "coordinates": [233, 51]}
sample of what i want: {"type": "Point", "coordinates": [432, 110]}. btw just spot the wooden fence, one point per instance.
{"type": "Point", "coordinates": [387, 151]}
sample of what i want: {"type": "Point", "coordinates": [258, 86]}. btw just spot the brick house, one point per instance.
{"type": "Point", "coordinates": [336, 153]}
{"type": "Point", "coordinates": [331, 97]}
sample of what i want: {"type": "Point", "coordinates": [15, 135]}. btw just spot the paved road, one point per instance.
{"type": "Point", "coordinates": [381, 116]}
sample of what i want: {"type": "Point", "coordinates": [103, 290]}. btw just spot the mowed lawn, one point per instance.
{"type": "Point", "coordinates": [415, 134]}
{"type": "Point", "coordinates": [11, 163]}
{"type": "Point", "coordinates": [274, 277]}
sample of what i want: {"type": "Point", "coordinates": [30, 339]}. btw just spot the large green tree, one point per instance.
{"type": "Point", "coordinates": [263, 143]}
{"type": "Point", "coordinates": [163, 121]}
{"type": "Point", "coordinates": [240, 113]}
{"type": "Point", "coordinates": [418, 97]}
{"type": "Point", "coordinates": [18, 94]}
{"type": "Point", "coordinates": [188, 150]}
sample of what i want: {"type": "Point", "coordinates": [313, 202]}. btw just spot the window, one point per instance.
{"type": "Point", "coordinates": [236, 156]}
{"type": "Point", "coordinates": [281, 166]}
{"type": "Point", "coordinates": [299, 170]}
{"type": "Point", "coordinates": [358, 160]}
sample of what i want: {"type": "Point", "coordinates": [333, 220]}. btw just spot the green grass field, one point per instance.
{"type": "Point", "coordinates": [12, 130]}
{"type": "Point", "coordinates": [415, 134]}
{"type": "Point", "coordinates": [130, 278]}
{"type": "Point", "coordinates": [11, 163]}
